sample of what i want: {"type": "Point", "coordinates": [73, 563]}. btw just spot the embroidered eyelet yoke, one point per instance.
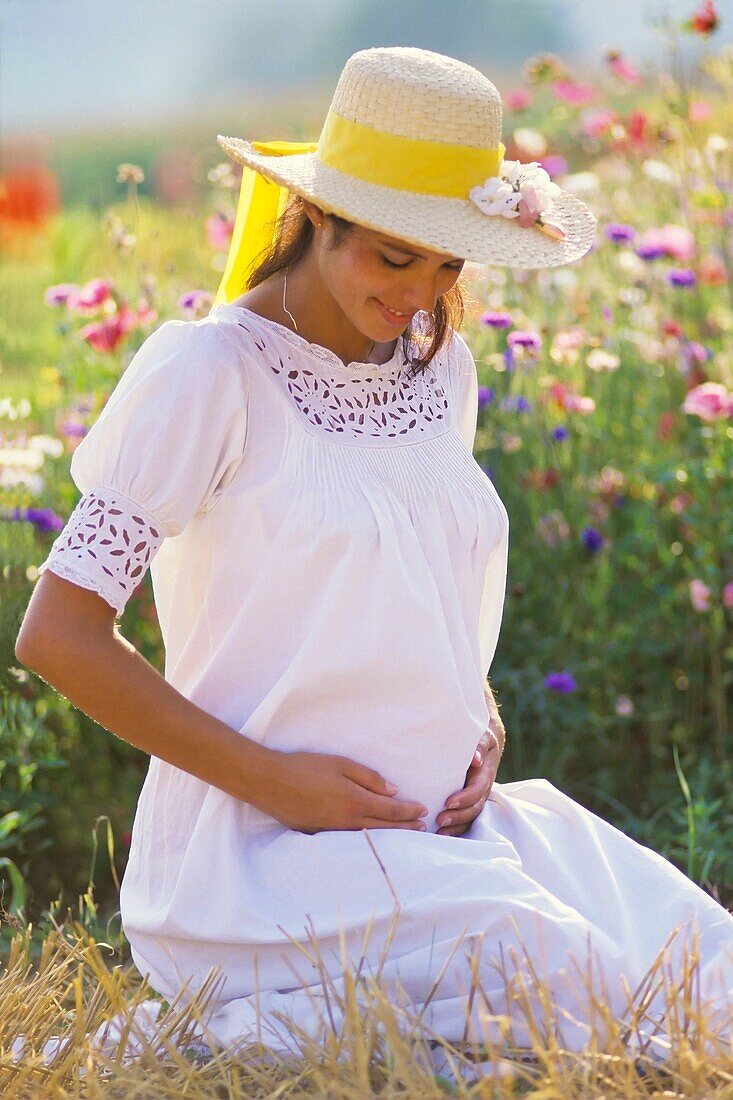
{"type": "Point", "coordinates": [374, 404]}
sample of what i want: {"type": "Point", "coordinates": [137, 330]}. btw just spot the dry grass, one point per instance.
{"type": "Point", "coordinates": [370, 1045]}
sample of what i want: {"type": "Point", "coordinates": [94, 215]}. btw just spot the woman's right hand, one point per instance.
{"type": "Point", "coordinates": [313, 791]}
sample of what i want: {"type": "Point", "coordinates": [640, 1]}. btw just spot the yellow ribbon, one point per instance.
{"type": "Point", "coordinates": [388, 160]}
{"type": "Point", "coordinates": [407, 164]}
{"type": "Point", "coordinates": [261, 202]}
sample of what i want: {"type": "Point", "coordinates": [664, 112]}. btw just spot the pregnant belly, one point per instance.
{"type": "Point", "coordinates": [427, 761]}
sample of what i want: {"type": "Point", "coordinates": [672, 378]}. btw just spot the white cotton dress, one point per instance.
{"type": "Point", "coordinates": [329, 567]}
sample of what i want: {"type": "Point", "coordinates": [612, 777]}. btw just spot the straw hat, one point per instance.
{"type": "Point", "coordinates": [411, 146]}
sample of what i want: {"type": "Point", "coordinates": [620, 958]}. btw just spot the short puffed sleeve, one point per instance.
{"type": "Point", "coordinates": [166, 446]}
{"type": "Point", "coordinates": [465, 388]}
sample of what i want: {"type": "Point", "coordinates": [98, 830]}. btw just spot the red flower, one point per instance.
{"type": "Point", "coordinates": [543, 479]}
{"type": "Point", "coordinates": [557, 393]}
{"type": "Point", "coordinates": [704, 21]}
{"type": "Point", "coordinates": [105, 335]}
{"type": "Point", "coordinates": [665, 425]}
{"type": "Point", "coordinates": [636, 127]}
{"type": "Point", "coordinates": [712, 271]}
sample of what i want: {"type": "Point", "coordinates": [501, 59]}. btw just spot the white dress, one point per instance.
{"type": "Point", "coordinates": [329, 567]}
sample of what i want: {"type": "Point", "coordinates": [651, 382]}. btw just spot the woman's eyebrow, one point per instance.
{"type": "Point", "coordinates": [410, 251]}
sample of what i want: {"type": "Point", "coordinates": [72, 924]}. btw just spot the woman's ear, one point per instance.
{"type": "Point", "coordinates": [314, 212]}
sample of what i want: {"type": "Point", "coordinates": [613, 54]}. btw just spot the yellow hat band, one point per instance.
{"type": "Point", "coordinates": [406, 164]}
{"type": "Point", "coordinates": [373, 156]}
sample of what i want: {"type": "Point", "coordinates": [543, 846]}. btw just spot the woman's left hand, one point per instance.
{"type": "Point", "coordinates": [470, 800]}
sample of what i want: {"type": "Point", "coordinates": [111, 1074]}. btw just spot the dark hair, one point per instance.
{"type": "Point", "coordinates": [291, 242]}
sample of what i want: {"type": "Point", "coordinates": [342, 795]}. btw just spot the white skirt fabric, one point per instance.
{"type": "Point", "coordinates": [538, 883]}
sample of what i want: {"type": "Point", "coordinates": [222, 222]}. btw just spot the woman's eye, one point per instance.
{"type": "Point", "coordinates": [391, 263]}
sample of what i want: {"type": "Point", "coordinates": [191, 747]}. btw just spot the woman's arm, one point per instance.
{"type": "Point", "coordinates": [68, 638]}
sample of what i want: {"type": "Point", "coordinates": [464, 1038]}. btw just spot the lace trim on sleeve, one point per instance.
{"type": "Point", "coordinates": [106, 546]}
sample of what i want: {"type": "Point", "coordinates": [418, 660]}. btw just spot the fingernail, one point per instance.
{"type": "Point", "coordinates": [477, 756]}
{"type": "Point", "coordinates": [453, 804]}
{"type": "Point", "coordinates": [446, 821]}
{"type": "Point", "coordinates": [391, 789]}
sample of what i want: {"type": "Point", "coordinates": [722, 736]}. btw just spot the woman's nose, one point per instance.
{"type": "Point", "coordinates": [424, 296]}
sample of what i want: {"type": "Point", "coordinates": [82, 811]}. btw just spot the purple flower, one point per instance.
{"type": "Point", "coordinates": [59, 294]}
{"type": "Point", "coordinates": [485, 396]}
{"type": "Point", "coordinates": [607, 313]}
{"type": "Point", "coordinates": [72, 428]}
{"type": "Point", "coordinates": [488, 471]}
{"type": "Point", "coordinates": [509, 359]}
{"type": "Point", "coordinates": [515, 404]}
{"type": "Point", "coordinates": [45, 519]}
{"type": "Point", "coordinates": [681, 276]}
{"type": "Point", "coordinates": [693, 353]}
{"type": "Point", "coordinates": [192, 299]}
{"type": "Point", "coordinates": [559, 433]}
{"type": "Point", "coordinates": [560, 681]}
{"type": "Point", "coordinates": [619, 233]}
{"type": "Point", "coordinates": [592, 538]}
{"type": "Point", "coordinates": [649, 252]}
{"type": "Point", "coordinates": [495, 318]}
{"type": "Point", "coordinates": [524, 340]}
{"type": "Point", "coordinates": [554, 165]}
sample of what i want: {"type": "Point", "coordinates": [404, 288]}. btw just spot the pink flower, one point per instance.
{"type": "Point", "coordinates": [91, 295]}
{"type": "Point", "coordinates": [570, 338]}
{"type": "Point", "coordinates": [679, 502]}
{"type": "Point", "coordinates": [576, 95]}
{"type": "Point", "coordinates": [624, 706]}
{"type": "Point", "coordinates": [575, 402]}
{"type": "Point", "coordinates": [699, 110]}
{"type": "Point", "coordinates": [219, 229]}
{"type": "Point", "coordinates": [710, 401]}
{"type": "Point", "coordinates": [530, 340]}
{"type": "Point", "coordinates": [146, 315]}
{"type": "Point", "coordinates": [554, 164]}
{"type": "Point", "coordinates": [104, 336]}
{"type": "Point", "coordinates": [598, 123]}
{"type": "Point", "coordinates": [728, 594]}
{"type": "Point", "coordinates": [699, 595]}
{"type": "Point", "coordinates": [59, 294]}
{"type": "Point", "coordinates": [622, 68]}
{"type": "Point", "coordinates": [529, 207]}
{"type": "Point", "coordinates": [673, 240]}
{"type": "Point", "coordinates": [518, 100]}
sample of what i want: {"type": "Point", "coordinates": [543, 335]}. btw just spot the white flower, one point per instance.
{"type": "Point", "coordinates": [659, 172]}
{"type": "Point", "coordinates": [582, 183]}
{"type": "Point", "coordinates": [502, 194]}
{"type": "Point", "coordinates": [530, 141]}
{"type": "Point", "coordinates": [496, 197]}
{"type": "Point", "coordinates": [599, 359]}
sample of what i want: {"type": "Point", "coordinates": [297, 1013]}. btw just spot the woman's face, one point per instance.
{"type": "Point", "coordinates": [370, 270]}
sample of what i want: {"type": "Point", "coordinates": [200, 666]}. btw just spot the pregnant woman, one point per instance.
{"type": "Point", "coordinates": [329, 569]}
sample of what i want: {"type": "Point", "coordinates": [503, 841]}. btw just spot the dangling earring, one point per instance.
{"type": "Point", "coordinates": [285, 287]}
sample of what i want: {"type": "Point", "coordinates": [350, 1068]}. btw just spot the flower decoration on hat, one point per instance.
{"type": "Point", "coordinates": [523, 191]}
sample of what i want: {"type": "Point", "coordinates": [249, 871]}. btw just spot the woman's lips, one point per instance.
{"type": "Point", "coordinates": [391, 317]}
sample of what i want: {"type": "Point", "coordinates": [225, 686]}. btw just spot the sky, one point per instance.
{"type": "Point", "coordinates": [70, 64]}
